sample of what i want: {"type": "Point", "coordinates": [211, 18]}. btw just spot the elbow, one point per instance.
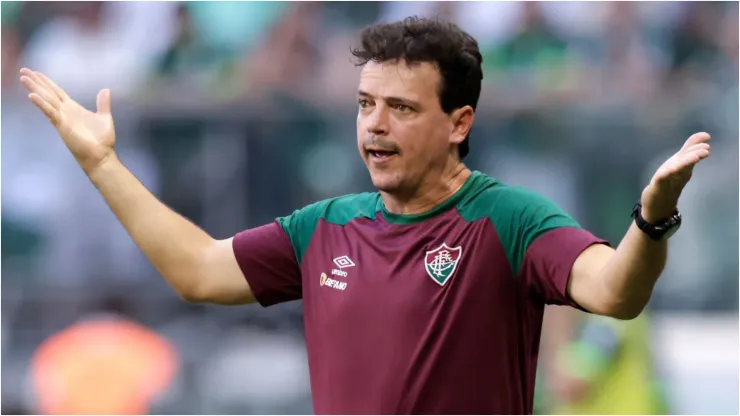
{"type": "Point", "coordinates": [626, 310]}
{"type": "Point", "coordinates": [191, 281]}
{"type": "Point", "coordinates": [626, 306]}
{"type": "Point", "coordinates": [626, 314]}
{"type": "Point", "coordinates": [195, 293]}
{"type": "Point", "coordinates": [191, 296]}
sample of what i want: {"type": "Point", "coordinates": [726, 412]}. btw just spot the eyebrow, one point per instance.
{"type": "Point", "coordinates": [392, 100]}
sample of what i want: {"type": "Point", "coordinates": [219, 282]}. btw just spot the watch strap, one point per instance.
{"type": "Point", "coordinates": [658, 230]}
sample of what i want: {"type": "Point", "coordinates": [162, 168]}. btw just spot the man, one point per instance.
{"type": "Point", "coordinates": [426, 297]}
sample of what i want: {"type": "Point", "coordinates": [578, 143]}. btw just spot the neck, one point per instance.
{"type": "Point", "coordinates": [433, 191]}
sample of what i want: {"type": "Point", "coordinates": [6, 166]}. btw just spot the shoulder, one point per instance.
{"type": "Point", "coordinates": [503, 203]}
{"type": "Point", "coordinates": [519, 216]}
{"type": "Point", "coordinates": [301, 224]}
{"type": "Point", "coordinates": [343, 209]}
{"type": "Point", "coordinates": [339, 210]}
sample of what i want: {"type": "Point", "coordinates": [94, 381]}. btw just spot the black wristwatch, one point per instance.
{"type": "Point", "coordinates": [660, 231]}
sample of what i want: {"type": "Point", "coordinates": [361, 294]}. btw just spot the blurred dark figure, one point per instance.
{"type": "Point", "coordinates": [187, 53]}
{"type": "Point", "coordinates": [89, 46]}
{"type": "Point", "coordinates": [11, 49]}
{"type": "Point", "coordinates": [530, 78]}
{"type": "Point", "coordinates": [697, 45]}
{"type": "Point", "coordinates": [279, 55]}
{"type": "Point", "coordinates": [89, 15]}
{"type": "Point", "coordinates": [728, 34]}
{"type": "Point", "coordinates": [289, 57]}
{"type": "Point", "coordinates": [534, 58]}
{"type": "Point", "coordinates": [628, 75]}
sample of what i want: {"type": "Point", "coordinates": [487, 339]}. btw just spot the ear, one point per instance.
{"type": "Point", "coordinates": [462, 121]}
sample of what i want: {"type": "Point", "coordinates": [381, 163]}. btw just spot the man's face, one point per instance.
{"type": "Point", "coordinates": [402, 133]}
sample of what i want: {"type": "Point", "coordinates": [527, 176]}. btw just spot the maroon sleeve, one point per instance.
{"type": "Point", "coordinates": [549, 260]}
{"type": "Point", "coordinates": [267, 260]}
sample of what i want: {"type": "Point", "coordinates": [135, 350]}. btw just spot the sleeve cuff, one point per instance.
{"type": "Point", "coordinates": [266, 258]}
{"type": "Point", "coordinates": [551, 258]}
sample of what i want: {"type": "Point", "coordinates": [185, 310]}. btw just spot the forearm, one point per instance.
{"type": "Point", "coordinates": [174, 245]}
{"type": "Point", "coordinates": [631, 272]}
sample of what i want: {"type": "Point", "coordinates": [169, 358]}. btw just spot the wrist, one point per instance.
{"type": "Point", "coordinates": [656, 226]}
{"type": "Point", "coordinates": [99, 168]}
{"type": "Point", "coordinates": [654, 216]}
{"type": "Point", "coordinates": [654, 211]}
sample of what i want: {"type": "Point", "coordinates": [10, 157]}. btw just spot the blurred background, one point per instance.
{"type": "Point", "coordinates": [235, 113]}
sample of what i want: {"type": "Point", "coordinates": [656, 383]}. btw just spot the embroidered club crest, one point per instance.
{"type": "Point", "coordinates": [441, 262]}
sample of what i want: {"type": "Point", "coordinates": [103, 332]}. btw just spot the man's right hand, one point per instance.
{"type": "Point", "coordinates": [198, 267]}
{"type": "Point", "coordinates": [89, 136]}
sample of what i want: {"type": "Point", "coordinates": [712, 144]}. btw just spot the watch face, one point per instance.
{"type": "Point", "coordinates": [670, 233]}
{"type": "Point", "coordinates": [673, 228]}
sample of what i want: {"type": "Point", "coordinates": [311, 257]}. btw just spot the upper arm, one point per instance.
{"type": "Point", "coordinates": [269, 257]}
{"type": "Point", "coordinates": [263, 264]}
{"type": "Point", "coordinates": [267, 262]}
{"type": "Point", "coordinates": [221, 279]}
{"type": "Point", "coordinates": [543, 243]}
{"type": "Point", "coordinates": [257, 264]}
{"type": "Point", "coordinates": [585, 286]}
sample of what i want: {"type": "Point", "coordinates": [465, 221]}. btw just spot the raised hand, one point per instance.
{"type": "Point", "coordinates": [660, 197]}
{"type": "Point", "coordinates": [89, 136]}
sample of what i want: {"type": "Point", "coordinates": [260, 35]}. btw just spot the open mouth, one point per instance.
{"type": "Point", "coordinates": [381, 155]}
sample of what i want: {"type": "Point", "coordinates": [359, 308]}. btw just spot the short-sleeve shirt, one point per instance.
{"type": "Point", "coordinates": [435, 313]}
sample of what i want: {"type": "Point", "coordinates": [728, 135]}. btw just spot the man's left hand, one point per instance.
{"type": "Point", "coordinates": [660, 197]}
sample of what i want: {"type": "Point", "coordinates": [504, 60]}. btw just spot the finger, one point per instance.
{"type": "Point", "coordinates": [27, 72]}
{"type": "Point", "coordinates": [689, 159]}
{"type": "Point", "coordinates": [46, 95]}
{"type": "Point", "coordinates": [696, 138]}
{"type": "Point", "coordinates": [37, 78]}
{"type": "Point", "coordinates": [103, 101]}
{"type": "Point", "coordinates": [698, 154]}
{"type": "Point", "coordinates": [50, 112]}
{"type": "Point", "coordinates": [698, 146]}
{"type": "Point", "coordinates": [53, 86]}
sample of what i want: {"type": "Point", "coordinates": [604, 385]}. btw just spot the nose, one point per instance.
{"type": "Point", "coordinates": [377, 122]}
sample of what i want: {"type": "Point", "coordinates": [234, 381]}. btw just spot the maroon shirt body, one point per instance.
{"type": "Point", "coordinates": [438, 313]}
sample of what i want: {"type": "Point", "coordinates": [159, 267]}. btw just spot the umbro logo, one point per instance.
{"type": "Point", "coordinates": [343, 262]}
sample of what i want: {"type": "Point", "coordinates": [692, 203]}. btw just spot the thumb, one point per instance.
{"type": "Point", "coordinates": [104, 101]}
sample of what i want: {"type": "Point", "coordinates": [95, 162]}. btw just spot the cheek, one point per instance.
{"type": "Point", "coordinates": [417, 152]}
{"type": "Point", "coordinates": [425, 143]}
{"type": "Point", "coordinates": [360, 133]}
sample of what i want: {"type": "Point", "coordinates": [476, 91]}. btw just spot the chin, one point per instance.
{"type": "Point", "coordinates": [386, 181]}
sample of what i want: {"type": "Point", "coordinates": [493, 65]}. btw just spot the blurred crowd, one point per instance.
{"type": "Point", "coordinates": [234, 113]}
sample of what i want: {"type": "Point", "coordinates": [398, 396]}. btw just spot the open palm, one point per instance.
{"type": "Point", "coordinates": [675, 172]}
{"type": "Point", "coordinates": [661, 196]}
{"type": "Point", "coordinates": [89, 136]}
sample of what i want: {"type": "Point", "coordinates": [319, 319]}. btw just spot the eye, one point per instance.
{"type": "Point", "coordinates": [402, 108]}
{"type": "Point", "coordinates": [363, 103]}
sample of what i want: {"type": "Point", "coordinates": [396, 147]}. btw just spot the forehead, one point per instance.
{"type": "Point", "coordinates": [417, 82]}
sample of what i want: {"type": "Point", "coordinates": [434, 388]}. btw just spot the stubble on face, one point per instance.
{"type": "Point", "coordinates": [400, 119]}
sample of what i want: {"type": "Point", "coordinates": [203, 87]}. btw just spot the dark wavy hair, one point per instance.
{"type": "Point", "coordinates": [415, 40]}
